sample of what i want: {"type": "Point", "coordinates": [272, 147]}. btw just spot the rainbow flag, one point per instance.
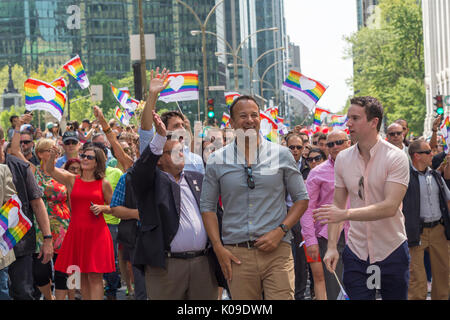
{"type": "Point", "coordinates": [305, 89]}
{"type": "Point", "coordinates": [183, 86]}
{"type": "Point", "coordinates": [120, 95]}
{"type": "Point", "coordinates": [339, 122]}
{"type": "Point", "coordinates": [445, 130]}
{"type": "Point", "coordinates": [230, 97]}
{"type": "Point", "coordinates": [40, 95]}
{"type": "Point", "coordinates": [318, 114]}
{"type": "Point", "coordinates": [75, 68]}
{"type": "Point", "coordinates": [13, 224]}
{"type": "Point", "coordinates": [268, 127]}
{"type": "Point", "coordinates": [123, 116]}
{"type": "Point", "coordinates": [225, 120]}
{"type": "Point", "coordinates": [273, 112]}
{"type": "Point", "coordinates": [60, 84]}
{"type": "Point", "coordinates": [132, 105]}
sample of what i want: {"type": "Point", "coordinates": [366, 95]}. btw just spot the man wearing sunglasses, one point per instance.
{"type": "Point", "coordinates": [320, 186]}
{"type": "Point", "coordinates": [426, 210]}
{"type": "Point", "coordinates": [27, 147]}
{"type": "Point", "coordinates": [374, 174]}
{"type": "Point", "coordinates": [395, 136]}
{"type": "Point", "coordinates": [253, 177]}
{"type": "Point", "coordinates": [71, 147]}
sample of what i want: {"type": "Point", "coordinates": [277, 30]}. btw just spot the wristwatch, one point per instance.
{"type": "Point", "coordinates": [48, 237]}
{"type": "Point", "coordinates": [284, 228]}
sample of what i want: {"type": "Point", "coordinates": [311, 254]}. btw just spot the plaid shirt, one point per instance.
{"type": "Point", "coordinates": [118, 198]}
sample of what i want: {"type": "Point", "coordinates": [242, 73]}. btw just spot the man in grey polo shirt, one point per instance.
{"type": "Point", "coordinates": [252, 176]}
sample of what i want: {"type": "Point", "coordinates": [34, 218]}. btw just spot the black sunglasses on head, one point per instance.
{"type": "Point", "coordinates": [338, 143]}
{"type": "Point", "coordinates": [250, 180]}
{"type": "Point", "coordinates": [295, 147]}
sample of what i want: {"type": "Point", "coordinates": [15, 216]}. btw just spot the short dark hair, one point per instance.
{"type": "Point", "coordinates": [11, 119]}
{"type": "Point", "coordinates": [86, 121]}
{"type": "Point", "coordinates": [372, 107]}
{"type": "Point", "coordinates": [291, 135]}
{"type": "Point", "coordinates": [317, 150]}
{"type": "Point", "coordinates": [414, 147]}
{"type": "Point", "coordinates": [240, 98]}
{"type": "Point", "coordinates": [166, 116]}
{"type": "Point", "coordinates": [319, 134]}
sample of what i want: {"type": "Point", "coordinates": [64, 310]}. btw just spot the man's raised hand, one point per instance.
{"type": "Point", "coordinates": [160, 127]}
{"type": "Point", "coordinates": [158, 81]}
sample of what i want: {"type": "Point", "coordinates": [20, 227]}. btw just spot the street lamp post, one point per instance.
{"type": "Point", "coordinates": [203, 32]}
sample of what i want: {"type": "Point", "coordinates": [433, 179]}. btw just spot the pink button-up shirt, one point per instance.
{"type": "Point", "coordinates": [320, 187]}
{"type": "Point", "coordinates": [373, 239]}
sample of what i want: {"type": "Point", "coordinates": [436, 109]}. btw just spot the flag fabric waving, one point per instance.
{"type": "Point", "coordinates": [60, 84]}
{"type": "Point", "coordinates": [225, 120]}
{"type": "Point", "coordinates": [120, 95]}
{"type": "Point", "coordinates": [13, 224]}
{"type": "Point", "coordinates": [75, 68]}
{"type": "Point", "coordinates": [445, 130]}
{"type": "Point", "coordinates": [318, 114]}
{"type": "Point", "coordinates": [339, 122]}
{"type": "Point", "coordinates": [230, 97]}
{"type": "Point", "coordinates": [183, 86]}
{"type": "Point", "coordinates": [305, 89]}
{"type": "Point", "coordinates": [268, 127]}
{"type": "Point", "coordinates": [123, 116]}
{"type": "Point", "coordinates": [40, 95]}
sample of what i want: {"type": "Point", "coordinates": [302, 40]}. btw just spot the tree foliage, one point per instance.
{"type": "Point", "coordinates": [389, 62]}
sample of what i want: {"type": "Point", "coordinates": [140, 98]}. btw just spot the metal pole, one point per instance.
{"type": "Point", "coordinates": [205, 71]}
{"type": "Point", "coordinates": [142, 42]}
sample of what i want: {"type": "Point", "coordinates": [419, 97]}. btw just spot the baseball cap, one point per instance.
{"type": "Point", "coordinates": [50, 125]}
{"type": "Point", "coordinates": [70, 135]}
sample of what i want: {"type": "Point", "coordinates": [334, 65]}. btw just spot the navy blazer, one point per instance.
{"type": "Point", "coordinates": [158, 200]}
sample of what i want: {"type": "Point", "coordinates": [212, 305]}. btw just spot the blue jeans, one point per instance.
{"type": "Point", "coordinates": [113, 279]}
{"type": "Point", "coordinates": [394, 275]}
{"type": "Point", "coordinates": [4, 287]}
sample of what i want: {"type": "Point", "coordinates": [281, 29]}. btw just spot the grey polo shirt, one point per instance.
{"type": "Point", "coordinates": [251, 213]}
{"type": "Point", "coordinates": [429, 196]}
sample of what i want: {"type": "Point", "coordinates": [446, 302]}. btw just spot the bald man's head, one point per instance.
{"type": "Point", "coordinates": [395, 135]}
{"type": "Point", "coordinates": [337, 141]}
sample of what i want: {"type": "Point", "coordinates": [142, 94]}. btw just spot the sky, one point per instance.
{"type": "Point", "coordinates": [318, 27]}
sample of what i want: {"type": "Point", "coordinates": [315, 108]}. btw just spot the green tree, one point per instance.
{"type": "Point", "coordinates": [6, 114]}
{"type": "Point", "coordinates": [389, 62]}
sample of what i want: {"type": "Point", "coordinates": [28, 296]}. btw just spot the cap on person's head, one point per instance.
{"type": "Point", "coordinates": [70, 135]}
{"type": "Point", "coordinates": [50, 125]}
{"type": "Point", "coordinates": [86, 121]}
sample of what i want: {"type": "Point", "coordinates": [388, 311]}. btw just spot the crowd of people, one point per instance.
{"type": "Point", "coordinates": [228, 215]}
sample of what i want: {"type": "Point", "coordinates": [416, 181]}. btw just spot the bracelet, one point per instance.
{"type": "Point", "coordinates": [48, 237]}
{"type": "Point", "coordinates": [107, 130]}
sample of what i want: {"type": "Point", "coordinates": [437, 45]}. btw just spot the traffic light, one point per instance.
{"type": "Point", "coordinates": [439, 105]}
{"type": "Point", "coordinates": [210, 110]}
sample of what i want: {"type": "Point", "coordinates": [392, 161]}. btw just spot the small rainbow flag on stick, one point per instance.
{"type": "Point", "coordinates": [75, 68]}
{"type": "Point", "coordinates": [13, 224]}
{"type": "Point", "coordinates": [120, 95]}
{"type": "Point", "coordinates": [60, 84]}
{"type": "Point", "coordinates": [225, 120]}
{"type": "Point", "coordinates": [40, 95]}
{"type": "Point", "coordinates": [305, 89]}
{"type": "Point", "coordinates": [183, 86]}
{"type": "Point", "coordinates": [339, 122]}
{"type": "Point", "coordinates": [445, 130]}
{"type": "Point", "coordinates": [123, 116]}
{"type": "Point", "coordinates": [230, 97]}
{"type": "Point", "coordinates": [318, 114]}
{"type": "Point", "coordinates": [268, 127]}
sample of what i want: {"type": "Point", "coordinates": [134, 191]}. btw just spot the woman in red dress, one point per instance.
{"type": "Point", "coordinates": [87, 246]}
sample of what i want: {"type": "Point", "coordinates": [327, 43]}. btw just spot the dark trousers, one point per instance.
{"type": "Point", "coordinates": [394, 275]}
{"type": "Point", "coordinates": [21, 277]}
{"type": "Point", "coordinates": [140, 292]}
{"type": "Point", "coordinates": [113, 279]}
{"type": "Point", "coordinates": [300, 265]}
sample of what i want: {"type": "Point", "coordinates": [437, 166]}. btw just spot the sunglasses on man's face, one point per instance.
{"type": "Point", "coordinates": [26, 141]}
{"type": "Point", "coordinates": [295, 147]}
{"type": "Point", "coordinates": [250, 180]}
{"type": "Point", "coordinates": [424, 151]}
{"type": "Point", "coordinates": [70, 142]}
{"type": "Point", "coordinates": [86, 156]}
{"type": "Point", "coordinates": [338, 143]}
{"type": "Point", "coordinates": [393, 134]}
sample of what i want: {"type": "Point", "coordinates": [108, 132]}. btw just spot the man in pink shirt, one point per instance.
{"type": "Point", "coordinates": [374, 174]}
{"type": "Point", "coordinates": [320, 186]}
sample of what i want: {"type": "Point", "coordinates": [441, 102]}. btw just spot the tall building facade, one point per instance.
{"type": "Point", "coordinates": [365, 10]}
{"type": "Point", "coordinates": [436, 34]}
{"type": "Point", "coordinates": [245, 18]}
{"type": "Point", "coordinates": [51, 32]}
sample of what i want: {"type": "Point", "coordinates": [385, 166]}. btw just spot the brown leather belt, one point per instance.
{"type": "Point", "coordinates": [245, 244]}
{"type": "Point", "coordinates": [433, 224]}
